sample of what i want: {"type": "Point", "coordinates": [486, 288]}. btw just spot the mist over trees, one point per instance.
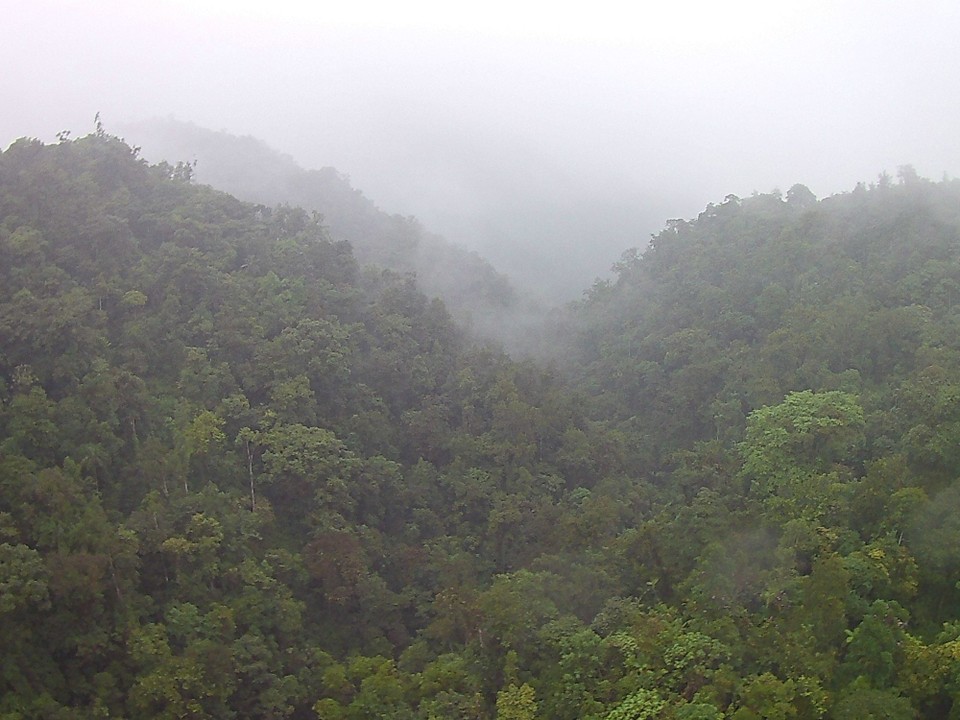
{"type": "Point", "coordinates": [476, 294]}
{"type": "Point", "coordinates": [248, 468]}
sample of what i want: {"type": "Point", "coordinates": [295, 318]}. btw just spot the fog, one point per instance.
{"type": "Point", "coordinates": [550, 141]}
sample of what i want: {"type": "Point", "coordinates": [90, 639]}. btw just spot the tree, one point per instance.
{"type": "Point", "coordinates": [641, 705]}
{"type": "Point", "coordinates": [517, 703]}
{"type": "Point", "coordinates": [800, 197]}
{"type": "Point", "coordinates": [861, 701]}
{"type": "Point", "coordinates": [308, 468]}
{"type": "Point", "coordinates": [793, 452]}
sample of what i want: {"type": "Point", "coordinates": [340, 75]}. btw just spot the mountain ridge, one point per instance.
{"type": "Point", "coordinates": [480, 297]}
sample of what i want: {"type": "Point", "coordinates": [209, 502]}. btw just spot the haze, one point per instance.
{"type": "Point", "coordinates": [548, 140]}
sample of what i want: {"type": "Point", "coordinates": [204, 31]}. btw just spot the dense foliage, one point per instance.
{"type": "Point", "coordinates": [242, 475]}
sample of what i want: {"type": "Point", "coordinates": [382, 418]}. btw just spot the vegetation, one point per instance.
{"type": "Point", "coordinates": [244, 475]}
{"type": "Point", "coordinates": [479, 298]}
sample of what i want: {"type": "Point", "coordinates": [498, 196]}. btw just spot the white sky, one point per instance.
{"type": "Point", "coordinates": [517, 126]}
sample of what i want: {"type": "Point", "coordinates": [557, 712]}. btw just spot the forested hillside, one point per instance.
{"type": "Point", "coordinates": [478, 297]}
{"type": "Point", "coordinates": [244, 474]}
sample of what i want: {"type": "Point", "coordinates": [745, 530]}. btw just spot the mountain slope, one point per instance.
{"type": "Point", "coordinates": [475, 293]}
{"type": "Point", "coordinates": [232, 461]}
{"type": "Point", "coordinates": [761, 296]}
{"type": "Point", "coordinates": [243, 476]}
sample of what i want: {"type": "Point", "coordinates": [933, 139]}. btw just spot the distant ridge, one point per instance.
{"type": "Point", "coordinates": [477, 296]}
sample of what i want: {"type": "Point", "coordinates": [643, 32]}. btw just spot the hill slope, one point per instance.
{"type": "Point", "coordinates": [231, 459]}
{"type": "Point", "coordinates": [761, 296]}
{"type": "Point", "coordinates": [474, 292]}
{"type": "Point", "coordinates": [242, 476]}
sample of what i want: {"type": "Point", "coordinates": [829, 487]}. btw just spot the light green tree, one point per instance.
{"type": "Point", "coordinates": [793, 453]}
{"type": "Point", "coordinates": [517, 703]}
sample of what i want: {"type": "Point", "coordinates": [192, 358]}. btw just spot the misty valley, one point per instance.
{"type": "Point", "coordinates": [268, 451]}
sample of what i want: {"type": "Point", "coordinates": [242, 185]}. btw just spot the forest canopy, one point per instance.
{"type": "Point", "coordinates": [243, 474]}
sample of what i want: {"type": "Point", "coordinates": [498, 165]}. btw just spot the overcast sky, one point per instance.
{"type": "Point", "coordinates": [549, 138]}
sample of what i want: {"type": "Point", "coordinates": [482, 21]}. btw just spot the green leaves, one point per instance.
{"type": "Point", "coordinates": [23, 579]}
{"type": "Point", "coordinates": [517, 703]}
{"type": "Point", "coordinates": [793, 452]}
{"type": "Point", "coordinates": [640, 705]}
{"type": "Point", "coordinates": [808, 431]}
